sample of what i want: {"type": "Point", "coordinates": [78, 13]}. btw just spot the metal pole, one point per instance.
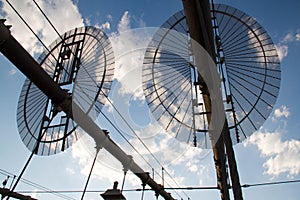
{"type": "Point", "coordinates": [234, 174]}
{"type": "Point", "coordinates": [200, 29]}
{"type": "Point", "coordinates": [10, 48]}
{"type": "Point", "coordinates": [199, 22]}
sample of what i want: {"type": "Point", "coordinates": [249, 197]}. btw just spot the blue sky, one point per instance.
{"type": "Point", "coordinates": [270, 154]}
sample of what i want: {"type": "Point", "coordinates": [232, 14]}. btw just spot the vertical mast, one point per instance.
{"type": "Point", "coordinates": [199, 21]}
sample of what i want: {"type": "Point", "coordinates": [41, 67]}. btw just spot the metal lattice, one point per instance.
{"type": "Point", "coordinates": [248, 65]}
{"type": "Point", "coordinates": [82, 57]}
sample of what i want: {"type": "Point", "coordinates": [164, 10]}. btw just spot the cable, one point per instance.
{"type": "Point", "coordinates": [35, 185]}
{"type": "Point", "coordinates": [143, 191]}
{"type": "Point", "coordinates": [171, 188]}
{"type": "Point", "coordinates": [88, 74]}
{"type": "Point", "coordinates": [46, 17]}
{"type": "Point", "coordinates": [123, 182]}
{"type": "Point", "coordinates": [122, 135]}
{"type": "Point", "coordinates": [118, 130]}
{"type": "Point", "coordinates": [133, 131]}
{"type": "Point", "coordinates": [105, 95]}
{"type": "Point", "coordinates": [31, 30]}
{"type": "Point", "coordinates": [270, 183]}
{"type": "Point", "coordinates": [88, 179]}
{"type": "Point", "coordinates": [27, 25]}
{"type": "Point", "coordinates": [30, 157]}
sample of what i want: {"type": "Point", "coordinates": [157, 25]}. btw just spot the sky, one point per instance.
{"type": "Point", "coordinates": [271, 154]}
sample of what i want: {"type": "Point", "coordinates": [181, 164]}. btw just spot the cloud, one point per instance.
{"type": "Point", "coordinates": [34, 194]}
{"type": "Point", "coordinates": [282, 47]}
{"type": "Point", "coordinates": [12, 72]}
{"type": "Point", "coordinates": [291, 37]}
{"type": "Point", "coordinates": [129, 48]}
{"type": "Point", "coordinates": [124, 24]}
{"type": "Point", "coordinates": [107, 169]}
{"type": "Point", "coordinates": [282, 157]}
{"type": "Point", "coordinates": [298, 36]}
{"type": "Point", "coordinates": [64, 14]}
{"type": "Point", "coordinates": [70, 171]}
{"type": "Point", "coordinates": [87, 21]}
{"type": "Point", "coordinates": [282, 51]}
{"type": "Point", "coordinates": [283, 111]}
{"type": "Point", "coordinates": [106, 25]}
{"type": "Point", "coordinates": [288, 38]}
{"type": "Point", "coordinates": [109, 17]}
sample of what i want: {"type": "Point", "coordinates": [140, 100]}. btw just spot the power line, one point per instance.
{"type": "Point", "coordinates": [23, 20]}
{"type": "Point", "coordinates": [35, 185]}
{"type": "Point", "coordinates": [134, 132]}
{"type": "Point", "coordinates": [171, 188]}
{"type": "Point", "coordinates": [52, 25]}
{"type": "Point", "coordinates": [46, 18]}
{"type": "Point", "coordinates": [113, 106]}
{"type": "Point", "coordinates": [270, 183]}
{"type": "Point", "coordinates": [31, 30]}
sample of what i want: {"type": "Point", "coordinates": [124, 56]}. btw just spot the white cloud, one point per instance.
{"type": "Point", "coordinates": [281, 156]}
{"type": "Point", "coordinates": [288, 37]}
{"type": "Point", "coordinates": [70, 171]}
{"type": "Point", "coordinates": [106, 25]}
{"type": "Point", "coordinates": [109, 17]}
{"type": "Point", "coordinates": [291, 37]}
{"type": "Point", "coordinates": [283, 111]}
{"type": "Point", "coordinates": [12, 72]}
{"type": "Point", "coordinates": [282, 46]}
{"type": "Point", "coordinates": [129, 48]}
{"type": "Point", "coordinates": [107, 168]}
{"type": "Point", "coordinates": [34, 194]}
{"type": "Point", "coordinates": [87, 21]}
{"type": "Point", "coordinates": [64, 14]}
{"type": "Point", "coordinates": [282, 51]}
{"type": "Point", "coordinates": [124, 24]}
{"type": "Point", "coordinates": [298, 36]}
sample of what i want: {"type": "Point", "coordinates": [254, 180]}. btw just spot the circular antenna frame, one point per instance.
{"type": "Point", "coordinates": [78, 54]}
{"type": "Point", "coordinates": [248, 65]}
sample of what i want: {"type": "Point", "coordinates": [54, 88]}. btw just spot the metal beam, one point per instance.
{"type": "Point", "coordinates": [8, 193]}
{"type": "Point", "coordinates": [11, 49]}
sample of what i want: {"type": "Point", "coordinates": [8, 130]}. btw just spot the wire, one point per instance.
{"type": "Point", "coordinates": [171, 188]}
{"type": "Point", "coordinates": [35, 185]}
{"type": "Point", "coordinates": [47, 18]}
{"type": "Point", "coordinates": [102, 91]}
{"type": "Point", "coordinates": [88, 179]}
{"type": "Point", "coordinates": [143, 191]}
{"type": "Point", "coordinates": [134, 132]}
{"type": "Point", "coordinates": [270, 183]}
{"type": "Point", "coordinates": [122, 135]}
{"type": "Point", "coordinates": [30, 157]}
{"type": "Point", "coordinates": [27, 25]}
{"type": "Point", "coordinates": [49, 21]}
{"type": "Point", "coordinates": [31, 30]}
